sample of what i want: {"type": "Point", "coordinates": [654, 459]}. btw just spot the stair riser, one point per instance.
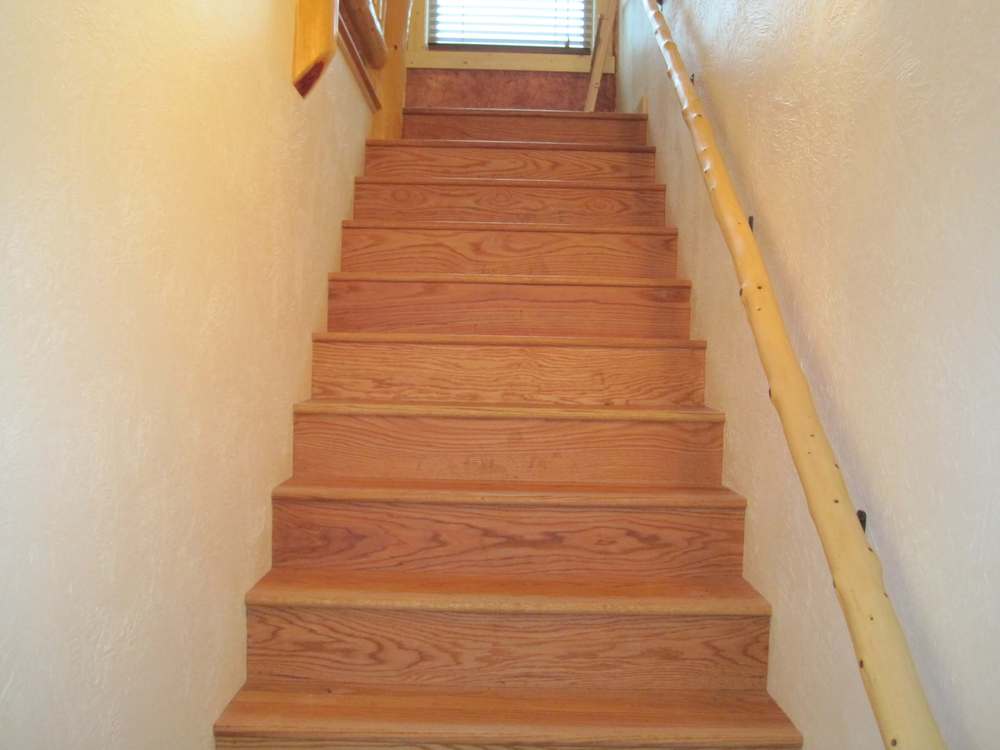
{"type": "Point", "coordinates": [510, 203]}
{"type": "Point", "coordinates": [302, 648]}
{"type": "Point", "coordinates": [525, 128]}
{"type": "Point", "coordinates": [508, 252]}
{"type": "Point", "coordinates": [330, 447]}
{"type": "Point", "coordinates": [469, 540]}
{"type": "Point", "coordinates": [566, 375]}
{"type": "Point", "coordinates": [510, 163]}
{"type": "Point", "coordinates": [509, 309]}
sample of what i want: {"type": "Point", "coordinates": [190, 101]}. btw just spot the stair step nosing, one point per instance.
{"type": "Point", "coordinates": [332, 598]}
{"type": "Point", "coordinates": [475, 339]}
{"type": "Point", "coordinates": [486, 226]}
{"type": "Point", "coordinates": [556, 719]}
{"type": "Point", "coordinates": [470, 735]}
{"type": "Point", "coordinates": [464, 411]}
{"type": "Point", "coordinates": [613, 499]}
{"type": "Point", "coordinates": [547, 113]}
{"type": "Point", "coordinates": [509, 145]}
{"type": "Point", "coordinates": [514, 183]}
{"type": "Point", "coordinates": [512, 279]}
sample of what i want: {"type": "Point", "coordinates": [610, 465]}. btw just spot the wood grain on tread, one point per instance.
{"type": "Point", "coordinates": [422, 159]}
{"type": "Point", "coordinates": [506, 528]}
{"type": "Point", "coordinates": [550, 201]}
{"type": "Point", "coordinates": [473, 306]}
{"type": "Point", "coordinates": [308, 648]}
{"type": "Point", "coordinates": [612, 543]}
{"type": "Point", "coordinates": [473, 372]}
{"type": "Point", "coordinates": [508, 719]}
{"type": "Point", "coordinates": [521, 125]}
{"type": "Point", "coordinates": [464, 445]}
{"type": "Point", "coordinates": [454, 247]}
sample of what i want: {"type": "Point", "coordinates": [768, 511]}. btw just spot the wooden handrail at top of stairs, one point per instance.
{"type": "Point", "coordinates": [890, 676]}
{"type": "Point", "coordinates": [375, 40]}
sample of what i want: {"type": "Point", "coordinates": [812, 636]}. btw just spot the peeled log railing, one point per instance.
{"type": "Point", "coordinates": [364, 20]}
{"type": "Point", "coordinates": [890, 677]}
{"type": "Point", "coordinates": [315, 22]}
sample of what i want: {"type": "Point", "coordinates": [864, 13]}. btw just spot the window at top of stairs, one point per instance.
{"type": "Point", "coordinates": [511, 25]}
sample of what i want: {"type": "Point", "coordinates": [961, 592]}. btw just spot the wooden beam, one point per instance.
{"type": "Point", "coordinates": [887, 669]}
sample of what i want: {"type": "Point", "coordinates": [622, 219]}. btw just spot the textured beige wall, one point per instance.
{"type": "Point", "coordinates": [864, 139]}
{"type": "Point", "coordinates": [169, 208]}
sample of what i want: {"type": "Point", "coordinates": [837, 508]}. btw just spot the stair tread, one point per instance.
{"type": "Point", "coordinates": [511, 493]}
{"type": "Point", "coordinates": [552, 717]}
{"type": "Point", "coordinates": [477, 339]}
{"type": "Point", "coordinates": [508, 182]}
{"type": "Point", "coordinates": [511, 145]}
{"type": "Point", "coordinates": [503, 411]}
{"type": "Point", "coordinates": [479, 112]}
{"type": "Point", "coordinates": [530, 279]}
{"type": "Point", "coordinates": [487, 226]}
{"type": "Point", "coordinates": [722, 596]}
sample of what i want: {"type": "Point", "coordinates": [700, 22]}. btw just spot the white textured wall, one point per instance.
{"type": "Point", "coordinates": [864, 139]}
{"type": "Point", "coordinates": [169, 208]}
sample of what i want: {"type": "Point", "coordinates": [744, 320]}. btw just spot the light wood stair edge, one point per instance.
{"type": "Point", "coordinates": [293, 587]}
{"type": "Point", "coordinates": [475, 339]}
{"type": "Point", "coordinates": [518, 719]}
{"type": "Point", "coordinates": [446, 143]}
{"type": "Point", "coordinates": [513, 494]}
{"type": "Point", "coordinates": [500, 226]}
{"type": "Point", "coordinates": [481, 411]}
{"type": "Point", "coordinates": [666, 282]}
{"type": "Point", "coordinates": [548, 113]}
{"type": "Point", "coordinates": [632, 187]}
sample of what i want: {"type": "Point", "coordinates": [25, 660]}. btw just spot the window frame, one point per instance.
{"type": "Point", "coordinates": [594, 7]}
{"type": "Point", "coordinates": [420, 55]}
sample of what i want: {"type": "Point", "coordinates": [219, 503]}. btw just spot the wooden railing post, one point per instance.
{"type": "Point", "coordinates": [890, 677]}
{"type": "Point", "coordinates": [388, 121]}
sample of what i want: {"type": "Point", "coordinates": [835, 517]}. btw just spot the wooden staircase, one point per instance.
{"type": "Point", "coordinates": [506, 527]}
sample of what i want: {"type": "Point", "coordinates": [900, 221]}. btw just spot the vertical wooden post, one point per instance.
{"type": "Point", "coordinates": [388, 121]}
{"type": "Point", "coordinates": [605, 34]}
{"type": "Point", "coordinates": [315, 44]}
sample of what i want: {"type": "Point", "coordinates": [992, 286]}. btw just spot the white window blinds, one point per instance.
{"type": "Point", "coordinates": [548, 25]}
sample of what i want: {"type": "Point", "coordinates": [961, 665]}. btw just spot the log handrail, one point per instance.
{"type": "Point", "coordinates": [315, 22]}
{"type": "Point", "coordinates": [374, 40]}
{"type": "Point", "coordinates": [366, 28]}
{"type": "Point", "coordinates": [887, 669]}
